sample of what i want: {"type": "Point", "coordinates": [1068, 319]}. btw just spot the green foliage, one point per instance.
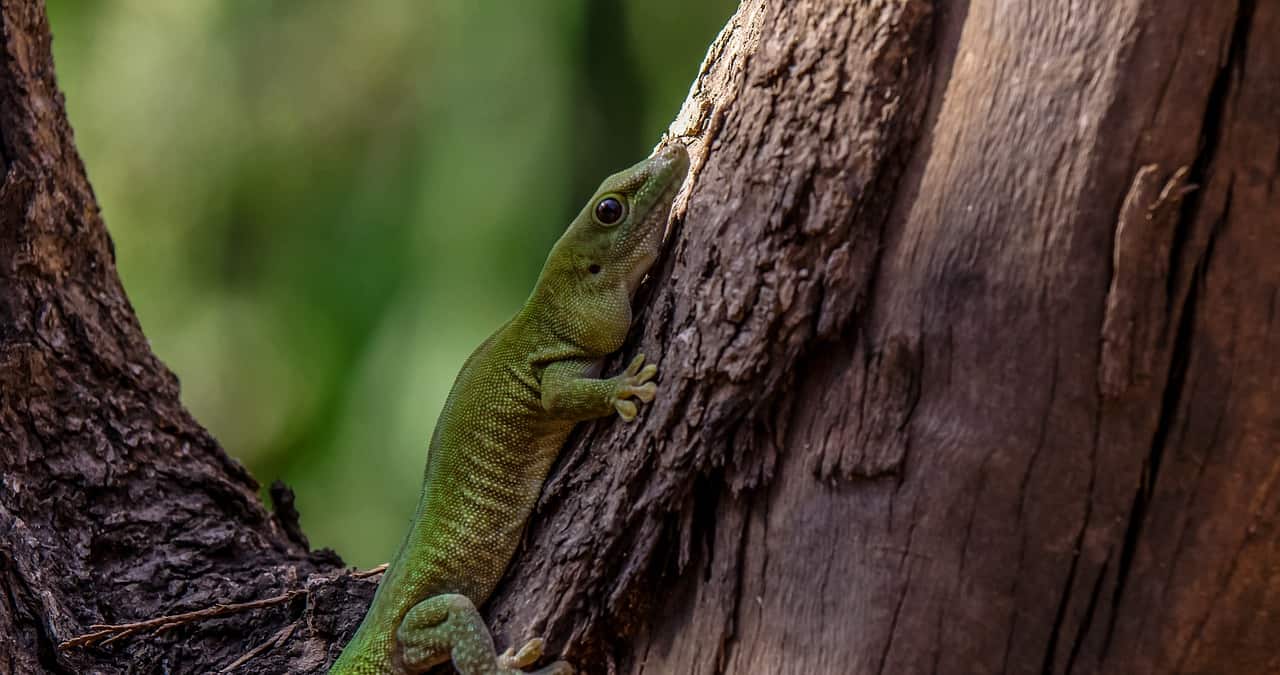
{"type": "Point", "coordinates": [320, 207]}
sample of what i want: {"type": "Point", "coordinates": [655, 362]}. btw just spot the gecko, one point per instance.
{"type": "Point", "coordinates": [510, 410]}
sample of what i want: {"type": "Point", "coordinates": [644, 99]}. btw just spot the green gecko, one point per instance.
{"type": "Point", "coordinates": [510, 410]}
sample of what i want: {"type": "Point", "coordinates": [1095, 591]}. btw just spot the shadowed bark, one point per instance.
{"type": "Point", "coordinates": [968, 331]}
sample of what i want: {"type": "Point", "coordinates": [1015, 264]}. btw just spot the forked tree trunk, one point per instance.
{"type": "Point", "coordinates": [970, 347]}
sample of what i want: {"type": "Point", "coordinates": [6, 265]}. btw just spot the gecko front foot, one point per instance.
{"type": "Point", "coordinates": [634, 382]}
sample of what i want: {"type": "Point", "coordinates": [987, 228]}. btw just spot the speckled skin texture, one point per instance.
{"type": "Point", "coordinates": [506, 418]}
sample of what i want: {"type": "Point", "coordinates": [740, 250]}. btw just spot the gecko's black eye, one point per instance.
{"type": "Point", "coordinates": [594, 268]}
{"type": "Point", "coordinates": [609, 211]}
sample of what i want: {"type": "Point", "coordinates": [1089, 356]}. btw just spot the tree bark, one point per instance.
{"type": "Point", "coordinates": [968, 330]}
{"type": "Point", "coordinates": [115, 505]}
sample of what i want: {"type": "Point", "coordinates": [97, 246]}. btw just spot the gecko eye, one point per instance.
{"type": "Point", "coordinates": [594, 268]}
{"type": "Point", "coordinates": [609, 211]}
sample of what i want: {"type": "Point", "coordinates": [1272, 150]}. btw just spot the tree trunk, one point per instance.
{"type": "Point", "coordinates": [968, 333]}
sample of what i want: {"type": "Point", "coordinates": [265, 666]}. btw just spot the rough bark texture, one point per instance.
{"type": "Point", "coordinates": [968, 330]}
{"type": "Point", "coordinates": [115, 504]}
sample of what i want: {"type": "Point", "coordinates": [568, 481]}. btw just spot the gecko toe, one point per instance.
{"type": "Point", "coordinates": [515, 660]}
{"type": "Point", "coordinates": [626, 409]}
{"type": "Point", "coordinates": [645, 392]}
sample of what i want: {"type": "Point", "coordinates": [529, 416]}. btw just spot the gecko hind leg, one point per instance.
{"type": "Point", "coordinates": [448, 626]}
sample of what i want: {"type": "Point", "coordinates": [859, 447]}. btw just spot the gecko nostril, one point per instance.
{"type": "Point", "coordinates": [594, 268]}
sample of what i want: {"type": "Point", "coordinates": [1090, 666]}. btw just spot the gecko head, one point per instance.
{"type": "Point", "coordinates": [615, 239]}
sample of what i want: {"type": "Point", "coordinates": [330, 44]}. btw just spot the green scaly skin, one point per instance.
{"type": "Point", "coordinates": [510, 410]}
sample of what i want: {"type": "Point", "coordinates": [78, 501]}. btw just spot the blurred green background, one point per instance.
{"type": "Point", "coordinates": [321, 206]}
